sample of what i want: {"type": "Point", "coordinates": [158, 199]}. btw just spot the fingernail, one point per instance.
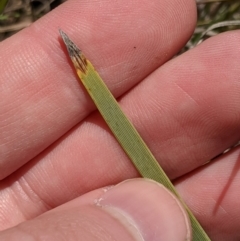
{"type": "Point", "coordinates": [148, 210]}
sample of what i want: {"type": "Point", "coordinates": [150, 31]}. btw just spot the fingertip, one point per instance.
{"type": "Point", "coordinates": [148, 209]}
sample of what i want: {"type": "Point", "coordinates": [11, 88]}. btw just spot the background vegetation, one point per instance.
{"type": "Point", "coordinates": [214, 16]}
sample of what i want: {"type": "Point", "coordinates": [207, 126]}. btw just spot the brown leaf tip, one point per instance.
{"type": "Point", "coordinates": [76, 55]}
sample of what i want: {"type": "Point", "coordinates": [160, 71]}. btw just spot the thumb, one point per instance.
{"type": "Point", "coordinates": [134, 210]}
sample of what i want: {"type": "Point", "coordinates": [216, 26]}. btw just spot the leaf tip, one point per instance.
{"type": "Point", "coordinates": [76, 55]}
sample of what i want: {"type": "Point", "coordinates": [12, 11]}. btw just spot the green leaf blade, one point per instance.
{"type": "Point", "coordinates": [123, 130]}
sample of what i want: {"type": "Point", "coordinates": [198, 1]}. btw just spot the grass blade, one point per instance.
{"type": "Point", "coordinates": [122, 128]}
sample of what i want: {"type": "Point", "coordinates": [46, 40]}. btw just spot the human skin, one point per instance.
{"type": "Point", "coordinates": [55, 147]}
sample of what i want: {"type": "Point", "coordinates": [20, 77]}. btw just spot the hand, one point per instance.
{"type": "Point", "coordinates": [56, 148]}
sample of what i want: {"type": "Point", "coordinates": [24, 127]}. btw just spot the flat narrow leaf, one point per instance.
{"type": "Point", "coordinates": [121, 127]}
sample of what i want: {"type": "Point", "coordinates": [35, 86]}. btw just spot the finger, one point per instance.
{"type": "Point", "coordinates": [41, 98]}
{"type": "Point", "coordinates": [212, 193]}
{"type": "Point", "coordinates": [182, 137]}
{"type": "Point", "coordinates": [133, 210]}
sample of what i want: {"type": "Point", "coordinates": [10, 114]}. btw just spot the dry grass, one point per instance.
{"type": "Point", "coordinates": [214, 16]}
{"type": "Point", "coordinates": [18, 14]}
